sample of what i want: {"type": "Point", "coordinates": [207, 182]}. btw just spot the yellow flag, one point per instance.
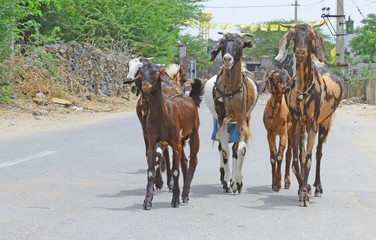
{"type": "Point", "coordinates": [264, 28]}
{"type": "Point", "coordinates": [232, 25]}
{"type": "Point", "coordinates": [313, 22]}
{"type": "Point", "coordinates": [193, 23]}
{"type": "Point", "coordinates": [253, 28]}
{"type": "Point", "coordinates": [213, 25]}
{"type": "Point", "coordinates": [223, 25]}
{"type": "Point", "coordinates": [274, 27]}
{"type": "Point", "coordinates": [243, 26]}
{"type": "Point", "coordinates": [326, 22]}
{"type": "Point", "coordinates": [283, 29]}
{"type": "Point", "coordinates": [204, 24]}
{"type": "Point", "coordinates": [333, 52]}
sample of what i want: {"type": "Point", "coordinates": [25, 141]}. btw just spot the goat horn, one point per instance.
{"type": "Point", "coordinates": [246, 34]}
{"type": "Point", "coordinates": [287, 26]}
{"type": "Point", "coordinates": [318, 25]}
{"type": "Point", "coordinates": [222, 33]}
{"type": "Point", "coordinates": [150, 58]}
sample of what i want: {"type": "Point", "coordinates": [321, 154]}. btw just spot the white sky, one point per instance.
{"type": "Point", "coordinates": [254, 12]}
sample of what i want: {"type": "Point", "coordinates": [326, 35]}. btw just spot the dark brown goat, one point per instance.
{"type": "Point", "coordinates": [277, 121]}
{"type": "Point", "coordinates": [231, 96]}
{"type": "Point", "coordinates": [170, 120]}
{"type": "Point", "coordinates": [172, 87]}
{"type": "Point", "coordinates": [312, 97]}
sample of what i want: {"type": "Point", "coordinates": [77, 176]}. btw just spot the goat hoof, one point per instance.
{"type": "Point", "coordinates": [226, 187]}
{"type": "Point", "coordinates": [158, 185]}
{"type": "Point", "coordinates": [304, 198]}
{"type": "Point", "coordinates": [236, 186]}
{"type": "Point", "coordinates": [175, 203]}
{"type": "Point", "coordinates": [185, 199]}
{"type": "Point", "coordinates": [147, 205]}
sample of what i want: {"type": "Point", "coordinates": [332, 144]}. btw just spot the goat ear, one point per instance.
{"type": "Point", "coordinates": [284, 45]}
{"type": "Point", "coordinates": [163, 75]}
{"type": "Point", "coordinates": [138, 82]}
{"type": "Point", "coordinates": [319, 47]}
{"type": "Point", "coordinates": [182, 76]}
{"type": "Point", "coordinates": [215, 52]}
{"type": "Point", "coordinates": [248, 44]}
{"type": "Point", "coordinates": [267, 83]}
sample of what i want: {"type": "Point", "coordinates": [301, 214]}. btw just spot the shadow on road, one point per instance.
{"type": "Point", "coordinates": [267, 199]}
{"type": "Point", "coordinates": [137, 207]}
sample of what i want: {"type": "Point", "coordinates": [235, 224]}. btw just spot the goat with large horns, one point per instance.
{"type": "Point", "coordinates": [312, 97]}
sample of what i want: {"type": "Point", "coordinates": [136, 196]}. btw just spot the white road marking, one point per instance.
{"type": "Point", "coordinates": [28, 158]}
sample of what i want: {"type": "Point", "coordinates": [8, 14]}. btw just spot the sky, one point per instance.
{"type": "Point", "coordinates": [255, 11]}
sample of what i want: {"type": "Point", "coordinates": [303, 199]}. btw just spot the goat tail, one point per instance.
{"type": "Point", "coordinates": [197, 90]}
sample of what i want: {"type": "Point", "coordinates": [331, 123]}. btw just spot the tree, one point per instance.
{"type": "Point", "coordinates": [11, 14]}
{"type": "Point", "coordinates": [147, 27]}
{"type": "Point", "coordinates": [197, 51]}
{"type": "Point", "coordinates": [364, 45]}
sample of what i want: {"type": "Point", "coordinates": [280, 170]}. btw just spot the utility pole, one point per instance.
{"type": "Point", "coordinates": [296, 11]}
{"type": "Point", "coordinates": [295, 21]}
{"type": "Point", "coordinates": [340, 39]}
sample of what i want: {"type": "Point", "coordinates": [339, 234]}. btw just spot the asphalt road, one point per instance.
{"type": "Point", "coordinates": [88, 182]}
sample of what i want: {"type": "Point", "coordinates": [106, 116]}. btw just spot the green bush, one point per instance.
{"type": "Point", "coordinates": [5, 95]}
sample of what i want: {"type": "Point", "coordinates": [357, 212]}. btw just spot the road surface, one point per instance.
{"type": "Point", "coordinates": [88, 182]}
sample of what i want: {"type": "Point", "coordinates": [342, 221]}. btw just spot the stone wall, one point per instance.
{"type": "Point", "coordinates": [362, 88]}
{"type": "Point", "coordinates": [98, 72]}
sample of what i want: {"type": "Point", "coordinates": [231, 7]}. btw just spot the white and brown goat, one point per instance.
{"type": "Point", "coordinates": [277, 122]}
{"type": "Point", "coordinates": [230, 97]}
{"type": "Point", "coordinates": [312, 97]}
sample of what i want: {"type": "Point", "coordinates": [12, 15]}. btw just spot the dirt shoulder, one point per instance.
{"type": "Point", "coordinates": [22, 117]}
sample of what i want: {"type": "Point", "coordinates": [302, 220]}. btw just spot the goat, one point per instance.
{"type": "Point", "coordinates": [277, 122]}
{"type": "Point", "coordinates": [176, 77]}
{"type": "Point", "coordinates": [172, 120]}
{"type": "Point", "coordinates": [312, 97]}
{"type": "Point", "coordinates": [231, 96]}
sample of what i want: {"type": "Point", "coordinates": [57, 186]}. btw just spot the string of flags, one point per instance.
{"type": "Point", "coordinates": [253, 28]}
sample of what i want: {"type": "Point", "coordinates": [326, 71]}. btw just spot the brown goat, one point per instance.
{"type": "Point", "coordinates": [172, 86]}
{"type": "Point", "coordinates": [172, 120]}
{"type": "Point", "coordinates": [312, 97]}
{"type": "Point", "coordinates": [277, 121]}
{"type": "Point", "coordinates": [231, 96]}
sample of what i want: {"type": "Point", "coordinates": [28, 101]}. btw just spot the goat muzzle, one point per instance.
{"type": "Point", "coordinates": [228, 61]}
{"type": "Point", "coordinates": [301, 54]}
{"type": "Point", "coordinates": [146, 87]}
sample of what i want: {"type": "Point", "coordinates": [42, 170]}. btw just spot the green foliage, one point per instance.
{"type": "Point", "coordinates": [364, 45]}
{"type": "Point", "coordinates": [197, 51]}
{"type": "Point", "coordinates": [5, 95]}
{"type": "Point", "coordinates": [11, 25]}
{"type": "Point", "coordinates": [148, 27]}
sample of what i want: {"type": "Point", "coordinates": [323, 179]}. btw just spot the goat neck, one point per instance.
{"type": "Point", "coordinates": [304, 74]}
{"type": "Point", "coordinates": [231, 79]}
{"type": "Point", "coordinates": [157, 105]}
{"type": "Point", "coordinates": [276, 100]}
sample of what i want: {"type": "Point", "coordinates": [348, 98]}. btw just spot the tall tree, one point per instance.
{"type": "Point", "coordinates": [148, 27]}
{"type": "Point", "coordinates": [364, 45]}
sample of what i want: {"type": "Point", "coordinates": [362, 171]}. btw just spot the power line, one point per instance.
{"type": "Point", "coordinates": [260, 6]}
{"type": "Point", "coordinates": [357, 8]}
